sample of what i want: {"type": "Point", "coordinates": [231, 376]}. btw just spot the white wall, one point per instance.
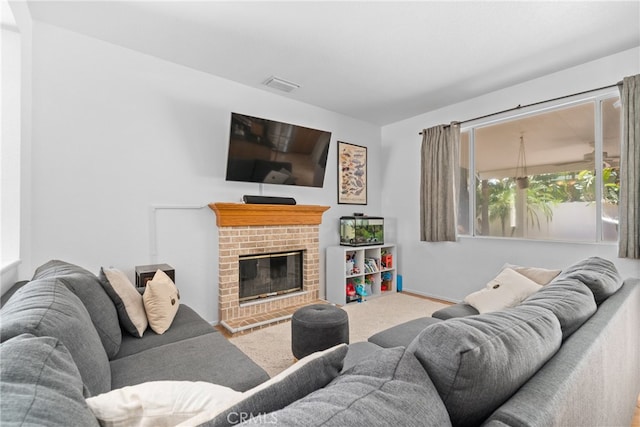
{"type": "Point", "coordinates": [117, 133]}
{"type": "Point", "coordinates": [452, 270]}
{"type": "Point", "coordinates": [113, 133]}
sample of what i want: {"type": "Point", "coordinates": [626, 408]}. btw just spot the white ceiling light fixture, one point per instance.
{"type": "Point", "coordinates": [281, 84]}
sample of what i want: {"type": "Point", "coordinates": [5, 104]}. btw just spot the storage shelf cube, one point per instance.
{"type": "Point", "coordinates": [372, 266]}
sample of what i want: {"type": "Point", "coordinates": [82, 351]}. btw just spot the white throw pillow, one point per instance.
{"type": "Point", "coordinates": [541, 276]}
{"type": "Point", "coordinates": [508, 289]}
{"type": "Point", "coordinates": [161, 301]}
{"type": "Point", "coordinates": [158, 403]}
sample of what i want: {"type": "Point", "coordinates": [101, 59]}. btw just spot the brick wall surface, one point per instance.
{"type": "Point", "coordinates": [252, 240]}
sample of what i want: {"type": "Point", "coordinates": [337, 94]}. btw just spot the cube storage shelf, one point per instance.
{"type": "Point", "coordinates": [372, 266]}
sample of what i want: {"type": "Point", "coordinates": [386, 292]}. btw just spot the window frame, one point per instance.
{"type": "Point", "coordinates": [10, 145]}
{"type": "Point", "coordinates": [597, 97]}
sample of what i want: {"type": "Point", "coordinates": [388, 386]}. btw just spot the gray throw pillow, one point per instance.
{"type": "Point", "coordinates": [305, 376]}
{"type": "Point", "coordinates": [46, 307]}
{"type": "Point", "coordinates": [569, 299]}
{"type": "Point", "coordinates": [40, 385]}
{"type": "Point", "coordinates": [599, 274]}
{"type": "Point", "coordinates": [389, 388]}
{"type": "Point", "coordinates": [127, 299]}
{"type": "Point", "coordinates": [476, 363]}
{"type": "Point", "coordinates": [87, 287]}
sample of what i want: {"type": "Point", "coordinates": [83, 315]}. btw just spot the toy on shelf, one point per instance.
{"type": "Point", "coordinates": [387, 260]}
{"type": "Point", "coordinates": [354, 289]}
{"type": "Point", "coordinates": [361, 290]}
{"type": "Point", "coordinates": [350, 263]}
{"type": "Point", "coordinates": [351, 290]}
{"type": "Point", "coordinates": [368, 285]}
{"type": "Point", "coordinates": [386, 278]}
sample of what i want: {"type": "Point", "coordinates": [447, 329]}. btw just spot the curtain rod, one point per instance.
{"type": "Point", "coordinates": [518, 107]}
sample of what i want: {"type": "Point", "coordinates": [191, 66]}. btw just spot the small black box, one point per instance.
{"type": "Point", "coordinates": [144, 273]}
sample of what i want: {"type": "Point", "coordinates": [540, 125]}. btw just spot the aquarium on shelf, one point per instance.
{"type": "Point", "coordinates": [361, 230]}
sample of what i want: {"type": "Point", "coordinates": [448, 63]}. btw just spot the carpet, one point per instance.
{"type": "Point", "coordinates": [270, 347]}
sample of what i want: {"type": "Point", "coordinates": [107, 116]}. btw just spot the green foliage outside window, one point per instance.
{"type": "Point", "coordinates": [544, 192]}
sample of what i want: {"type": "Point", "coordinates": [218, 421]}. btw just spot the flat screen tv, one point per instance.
{"type": "Point", "coordinates": [267, 151]}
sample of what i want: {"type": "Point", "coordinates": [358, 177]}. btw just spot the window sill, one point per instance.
{"type": "Point", "coordinates": [523, 239]}
{"type": "Point", "coordinates": [10, 266]}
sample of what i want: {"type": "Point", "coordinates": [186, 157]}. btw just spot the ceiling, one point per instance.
{"type": "Point", "coordinates": [380, 62]}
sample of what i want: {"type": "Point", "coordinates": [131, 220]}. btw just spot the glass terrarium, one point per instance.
{"type": "Point", "coordinates": [361, 230]}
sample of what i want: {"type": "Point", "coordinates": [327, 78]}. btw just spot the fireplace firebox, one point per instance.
{"type": "Point", "coordinates": [269, 275]}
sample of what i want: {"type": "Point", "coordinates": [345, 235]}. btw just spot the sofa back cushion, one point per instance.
{"type": "Point", "coordinates": [45, 307]}
{"type": "Point", "coordinates": [87, 287]}
{"type": "Point", "coordinates": [387, 388]}
{"type": "Point", "coordinates": [40, 384]}
{"type": "Point", "coordinates": [476, 363]}
{"type": "Point", "coordinates": [569, 299]}
{"type": "Point", "coordinates": [599, 274]}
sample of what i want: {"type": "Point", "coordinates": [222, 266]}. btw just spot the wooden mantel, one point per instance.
{"type": "Point", "coordinates": [244, 215]}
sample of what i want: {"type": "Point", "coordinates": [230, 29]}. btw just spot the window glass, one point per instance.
{"type": "Point", "coordinates": [535, 177]}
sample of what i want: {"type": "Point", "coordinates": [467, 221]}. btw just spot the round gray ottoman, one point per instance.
{"type": "Point", "coordinates": [318, 327]}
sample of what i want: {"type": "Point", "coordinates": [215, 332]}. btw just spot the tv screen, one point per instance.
{"type": "Point", "coordinates": [267, 151]}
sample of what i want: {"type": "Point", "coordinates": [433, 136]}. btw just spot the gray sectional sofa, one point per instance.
{"type": "Point", "coordinates": [569, 355]}
{"type": "Point", "coordinates": [62, 323]}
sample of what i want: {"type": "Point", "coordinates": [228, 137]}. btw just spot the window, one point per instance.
{"type": "Point", "coordinates": [10, 141]}
{"type": "Point", "coordinates": [547, 175]}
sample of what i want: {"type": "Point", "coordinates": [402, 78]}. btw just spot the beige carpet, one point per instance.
{"type": "Point", "coordinates": [271, 347]}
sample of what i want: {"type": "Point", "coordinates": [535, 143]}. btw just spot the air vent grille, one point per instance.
{"type": "Point", "coordinates": [281, 84]}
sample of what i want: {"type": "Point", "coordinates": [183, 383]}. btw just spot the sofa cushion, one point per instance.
{"type": "Point", "coordinates": [87, 287]}
{"type": "Point", "coordinates": [599, 274]}
{"type": "Point", "coordinates": [358, 351]}
{"type": "Point", "coordinates": [401, 335]}
{"type": "Point", "coordinates": [455, 310]}
{"type": "Point", "coordinates": [46, 307]}
{"type": "Point", "coordinates": [161, 301]}
{"type": "Point", "coordinates": [12, 290]}
{"type": "Point", "coordinates": [388, 388]}
{"type": "Point", "coordinates": [183, 361]}
{"type": "Point", "coordinates": [307, 375]}
{"type": "Point", "coordinates": [40, 384]}
{"type": "Point", "coordinates": [508, 289]}
{"type": "Point", "coordinates": [569, 299]}
{"type": "Point", "coordinates": [476, 363]}
{"type": "Point", "coordinates": [127, 299]}
{"type": "Point", "coordinates": [158, 403]}
{"type": "Point", "coordinates": [186, 324]}
{"type": "Point", "coordinates": [542, 276]}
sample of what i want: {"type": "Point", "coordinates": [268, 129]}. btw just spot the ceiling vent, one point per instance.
{"type": "Point", "coordinates": [280, 84]}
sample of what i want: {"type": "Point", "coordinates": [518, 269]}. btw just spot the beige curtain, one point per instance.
{"type": "Point", "coordinates": [439, 182]}
{"type": "Point", "coordinates": [629, 240]}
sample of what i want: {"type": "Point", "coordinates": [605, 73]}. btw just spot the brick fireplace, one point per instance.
{"type": "Point", "coordinates": [246, 229]}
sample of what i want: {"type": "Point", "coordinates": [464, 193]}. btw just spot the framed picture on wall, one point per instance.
{"type": "Point", "coordinates": [352, 174]}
